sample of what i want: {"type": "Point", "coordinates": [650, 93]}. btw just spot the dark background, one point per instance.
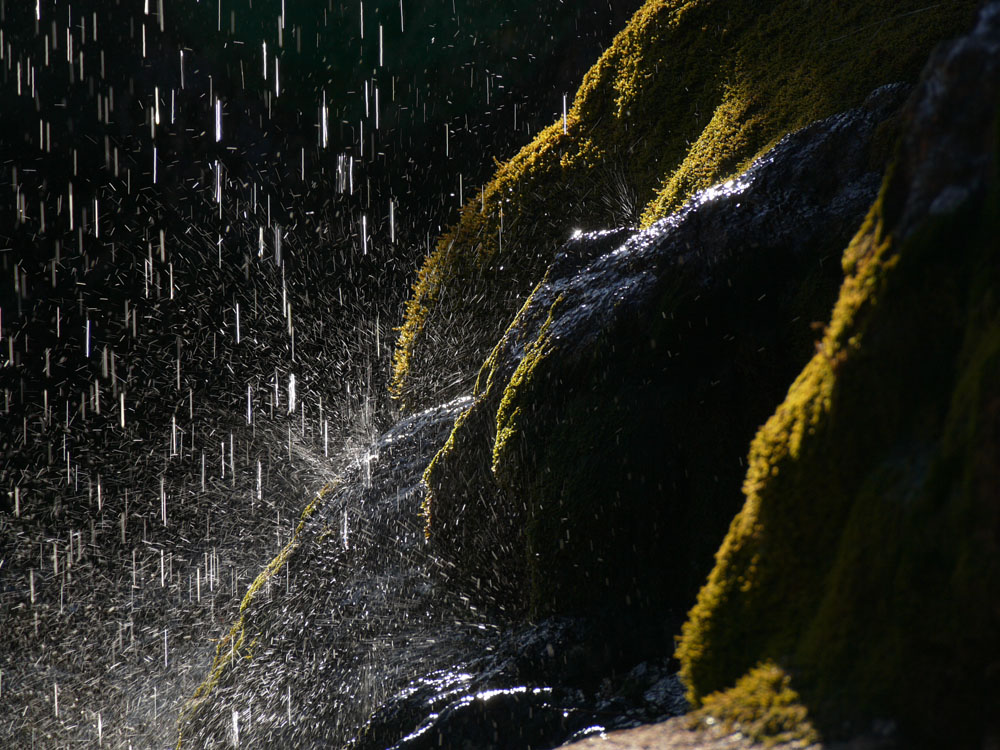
{"type": "Point", "coordinates": [116, 288]}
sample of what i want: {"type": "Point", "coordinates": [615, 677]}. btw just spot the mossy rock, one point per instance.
{"type": "Point", "coordinates": [601, 459]}
{"type": "Point", "coordinates": [763, 706]}
{"type": "Point", "coordinates": [688, 94]}
{"type": "Point", "coordinates": [865, 560]}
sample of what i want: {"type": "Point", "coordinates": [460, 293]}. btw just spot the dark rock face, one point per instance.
{"type": "Point", "coordinates": [865, 561]}
{"type": "Point", "coordinates": [601, 460]}
{"type": "Point", "coordinates": [355, 636]}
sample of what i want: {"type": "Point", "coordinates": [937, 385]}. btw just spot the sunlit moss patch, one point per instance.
{"type": "Point", "coordinates": [688, 94]}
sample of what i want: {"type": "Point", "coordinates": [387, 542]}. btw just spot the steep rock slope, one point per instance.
{"type": "Point", "coordinates": [862, 570]}
{"type": "Point", "coordinates": [689, 93]}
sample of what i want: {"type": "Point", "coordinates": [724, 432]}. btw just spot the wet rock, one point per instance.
{"type": "Point", "coordinates": [601, 459]}
{"type": "Point", "coordinates": [526, 694]}
{"type": "Point", "coordinates": [351, 612]}
{"type": "Point", "coordinates": [356, 635]}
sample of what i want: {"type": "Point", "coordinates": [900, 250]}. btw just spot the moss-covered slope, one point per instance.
{"type": "Point", "coordinates": [866, 559]}
{"type": "Point", "coordinates": [688, 94]}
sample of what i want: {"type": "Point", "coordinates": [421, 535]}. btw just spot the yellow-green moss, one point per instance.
{"type": "Point", "coordinates": [737, 590]}
{"type": "Point", "coordinates": [689, 93]}
{"type": "Point", "coordinates": [508, 411]}
{"type": "Point", "coordinates": [453, 519]}
{"type": "Point", "coordinates": [859, 558]}
{"type": "Point", "coordinates": [762, 705]}
{"type": "Point", "coordinates": [234, 643]}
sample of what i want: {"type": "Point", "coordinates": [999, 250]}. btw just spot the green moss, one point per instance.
{"type": "Point", "coordinates": [689, 93]}
{"type": "Point", "coordinates": [238, 642]}
{"type": "Point", "coordinates": [861, 557]}
{"type": "Point", "coordinates": [762, 705]}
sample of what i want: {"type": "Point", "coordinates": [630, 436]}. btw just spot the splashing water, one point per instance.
{"type": "Point", "coordinates": [176, 227]}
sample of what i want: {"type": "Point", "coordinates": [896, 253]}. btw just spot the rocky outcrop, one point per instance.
{"type": "Point", "coordinates": [355, 636]}
{"type": "Point", "coordinates": [688, 95]}
{"type": "Point", "coordinates": [600, 461]}
{"type": "Point", "coordinates": [864, 563]}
